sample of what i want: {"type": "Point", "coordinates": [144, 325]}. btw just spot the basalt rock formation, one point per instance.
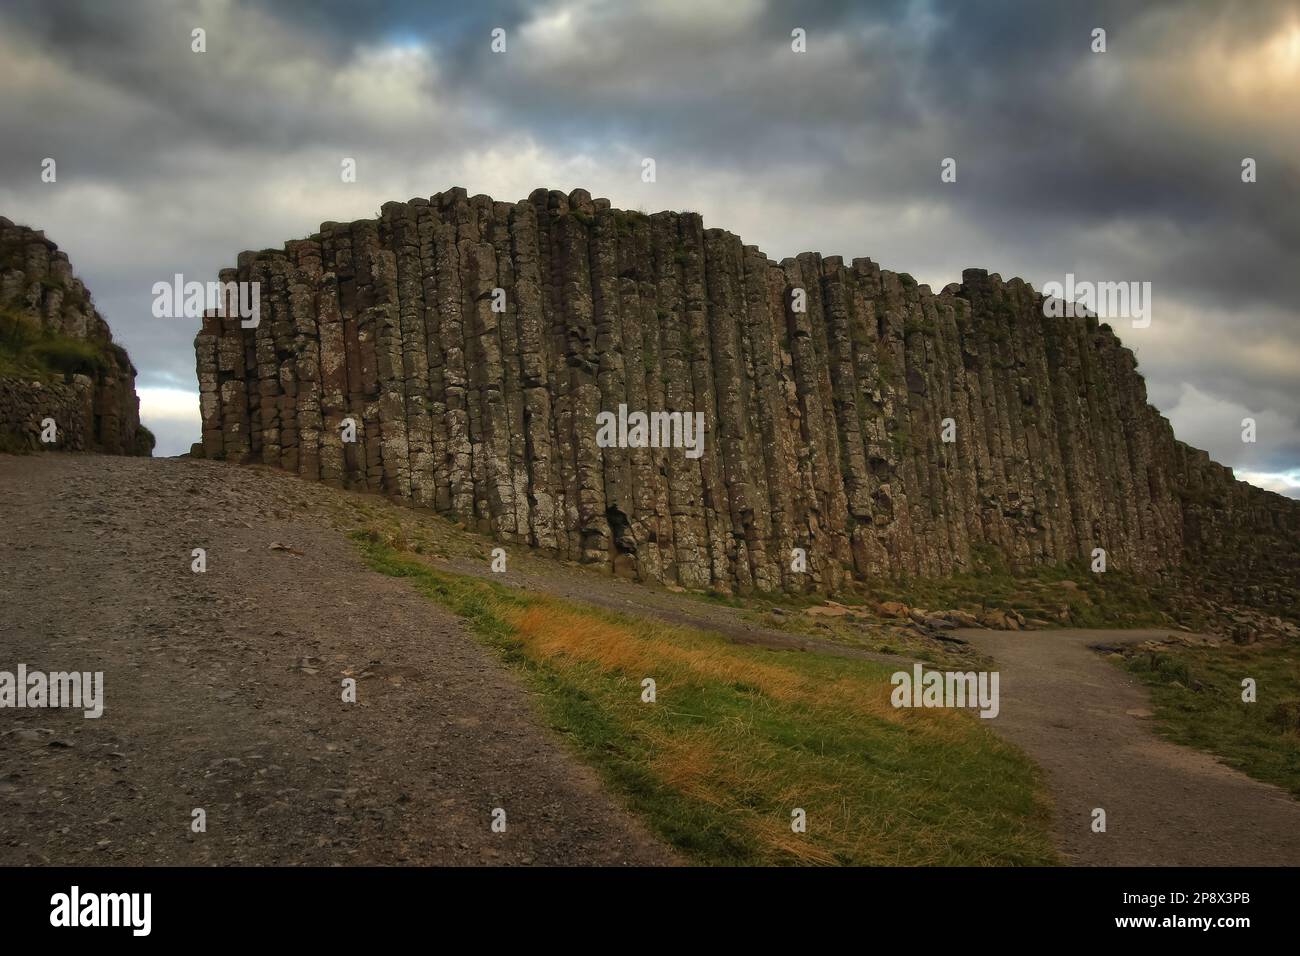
{"type": "Point", "coordinates": [825, 425]}
{"type": "Point", "coordinates": [58, 361]}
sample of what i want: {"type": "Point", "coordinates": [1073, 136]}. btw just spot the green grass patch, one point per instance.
{"type": "Point", "coordinates": [739, 737]}
{"type": "Point", "coordinates": [1067, 595]}
{"type": "Point", "coordinates": [29, 351]}
{"type": "Point", "coordinates": [1197, 692]}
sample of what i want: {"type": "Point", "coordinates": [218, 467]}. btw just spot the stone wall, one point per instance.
{"type": "Point", "coordinates": [94, 411]}
{"type": "Point", "coordinates": [25, 405]}
{"type": "Point", "coordinates": [824, 426]}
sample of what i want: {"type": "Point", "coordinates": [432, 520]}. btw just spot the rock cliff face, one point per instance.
{"type": "Point", "coordinates": [825, 424]}
{"type": "Point", "coordinates": [58, 360]}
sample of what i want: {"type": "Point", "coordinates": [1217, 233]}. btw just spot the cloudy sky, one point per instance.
{"type": "Point", "coordinates": [1117, 166]}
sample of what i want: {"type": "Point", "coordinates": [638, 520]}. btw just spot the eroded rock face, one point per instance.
{"type": "Point", "coordinates": [823, 426]}
{"type": "Point", "coordinates": [46, 311]}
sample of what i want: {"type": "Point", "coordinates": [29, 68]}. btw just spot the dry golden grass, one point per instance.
{"type": "Point", "coordinates": [552, 630]}
{"type": "Point", "coordinates": [650, 649]}
{"type": "Point", "coordinates": [739, 737]}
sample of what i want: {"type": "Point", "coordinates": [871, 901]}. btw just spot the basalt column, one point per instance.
{"type": "Point", "coordinates": [457, 353]}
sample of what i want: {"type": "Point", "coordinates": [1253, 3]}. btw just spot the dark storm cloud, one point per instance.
{"type": "Point", "coordinates": [1122, 165]}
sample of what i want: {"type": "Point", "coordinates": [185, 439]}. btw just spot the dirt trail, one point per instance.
{"type": "Point", "coordinates": [223, 690]}
{"type": "Point", "coordinates": [1086, 722]}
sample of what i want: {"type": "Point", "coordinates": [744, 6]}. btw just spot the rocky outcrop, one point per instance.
{"type": "Point", "coordinates": [58, 361]}
{"type": "Point", "coordinates": [826, 388]}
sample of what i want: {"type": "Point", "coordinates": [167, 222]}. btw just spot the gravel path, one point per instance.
{"type": "Point", "coordinates": [1087, 723]}
{"type": "Point", "coordinates": [223, 690]}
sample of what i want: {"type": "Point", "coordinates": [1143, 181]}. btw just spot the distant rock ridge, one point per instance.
{"type": "Point", "coordinates": [58, 361]}
{"type": "Point", "coordinates": [823, 427]}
